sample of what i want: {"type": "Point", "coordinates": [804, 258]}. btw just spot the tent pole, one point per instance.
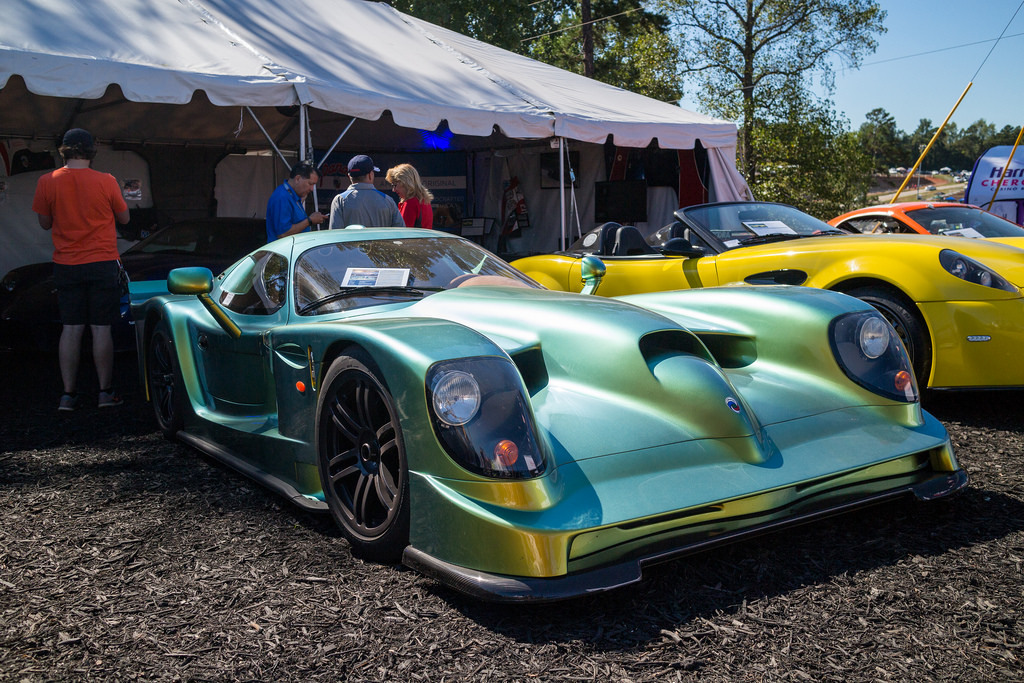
{"type": "Point", "coordinates": [267, 136]}
{"type": "Point", "coordinates": [302, 132]}
{"type": "Point", "coordinates": [336, 142]}
{"type": "Point", "coordinates": [306, 151]}
{"type": "Point", "coordinates": [561, 188]}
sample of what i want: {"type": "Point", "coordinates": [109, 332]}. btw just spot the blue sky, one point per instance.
{"type": "Point", "coordinates": [912, 85]}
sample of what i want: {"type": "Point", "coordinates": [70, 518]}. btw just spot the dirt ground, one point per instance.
{"type": "Point", "coordinates": [125, 556]}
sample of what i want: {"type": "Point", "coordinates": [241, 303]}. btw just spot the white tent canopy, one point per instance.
{"type": "Point", "coordinates": [226, 76]}
{"type": "Point", "coordinates": [348, 57]}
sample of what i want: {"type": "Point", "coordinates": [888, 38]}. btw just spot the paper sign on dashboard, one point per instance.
{"type": "Point", "coordinates": [769, 228]}
{"type": "Point", "coordinates": [376, 277]}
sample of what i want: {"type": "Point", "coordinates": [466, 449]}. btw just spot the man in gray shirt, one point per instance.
{"type": "Point", "coordinates": [362, 203]}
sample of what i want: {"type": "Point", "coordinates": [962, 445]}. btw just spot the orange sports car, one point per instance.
{"type": "Point", "coordinates": [929, 218]}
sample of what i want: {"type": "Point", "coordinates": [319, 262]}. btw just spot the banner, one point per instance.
{"type": "Point", "coordinates": [987, 172]}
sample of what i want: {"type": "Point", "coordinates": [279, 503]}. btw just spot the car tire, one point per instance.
{"type": "Point", "coordinates": [166, 387]}
{"type": "Point", "coordinates": [903, 316]}
{"type": "Point", "coordinates": [362, 461]}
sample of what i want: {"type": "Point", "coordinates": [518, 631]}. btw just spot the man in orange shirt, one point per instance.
{"type": "Point", "coordinates": [80, 205]}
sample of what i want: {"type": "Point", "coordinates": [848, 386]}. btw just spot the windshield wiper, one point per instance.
{"type": "Point", "coordinates": [765, 239]}
{"type": "Point", "coordinates": [345, 292]}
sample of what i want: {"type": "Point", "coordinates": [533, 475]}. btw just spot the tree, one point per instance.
{"type": "Point", "coordinates": [629, 46]}
{"type": "Point", "coordinates": [747, 56]}
{"type": "Point", "coordinates": [917, 141]}
{"type": "Point", "coordinates": [1007, 135]}
{"type": "Point", "coordinates": [881, 140]}
{"type": "Point", "coordinates": [632, 48]}
{"type": "Point", "coordinates": [811, 160]}
{"type": "Point", "coordinates": [503, 23]}
{"type": "Point", "coordinates": [970, 144]}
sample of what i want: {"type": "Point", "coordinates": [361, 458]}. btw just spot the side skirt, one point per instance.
{"type": "Point", "coordinates": [278, 486]}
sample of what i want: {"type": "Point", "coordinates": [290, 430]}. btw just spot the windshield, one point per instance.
{"type": "Point", "coordinates": [964, 221]}
{"type": "Point", "coordinates": [336, 277]}
{"type": "Point", "coordinates": [226, 238]}
{"type": "Point", "coordinates": [752, 222]}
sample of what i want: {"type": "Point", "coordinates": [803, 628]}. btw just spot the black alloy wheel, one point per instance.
{"type": "Point", "coordinates": [166, 388]}
{"type": "Point", "coordinates": [362, 460]}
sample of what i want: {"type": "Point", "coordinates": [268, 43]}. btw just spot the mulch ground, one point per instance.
{"type": "Point", "coordinates": [125, 556]}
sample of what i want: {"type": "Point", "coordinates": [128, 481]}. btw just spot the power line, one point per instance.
{"type": "Point", "coordinates": [945, 49]}
{"type": "Point", "coordinates": [998, 39]}
{"type": "Point", "coordinates": [577, 26]}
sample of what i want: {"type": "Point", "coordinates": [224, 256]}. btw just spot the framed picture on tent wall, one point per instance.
{"type": "Point", "coordinates": [549, 169]}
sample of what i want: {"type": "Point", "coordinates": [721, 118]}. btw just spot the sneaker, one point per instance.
{"type": "Point", "coordinates": [109, 399]}
{"type": "Point", "coordinates": [68, 402]}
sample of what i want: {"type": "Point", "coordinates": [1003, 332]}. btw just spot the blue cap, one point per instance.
{"type": "Point", "coordinates": [361, 164]}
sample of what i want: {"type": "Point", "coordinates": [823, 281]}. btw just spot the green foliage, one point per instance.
{"type": "Point", "coordinates": [751, 60]}
{"type": "Point", "coordinates": [881, 140]}
{"type": "Point", "coordinates": [632, 49]}
{"type": "Point", "coordinates": [958, 149]}
{"type": "Point", "coordinates": [811, 160]}
{"type": "Point", "coordinates": [503, 23]}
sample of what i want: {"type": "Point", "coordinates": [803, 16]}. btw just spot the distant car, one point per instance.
{"type": "Point", "coordinates": [955, 303]}
{"type": "Point", "coordinates": [29, 318]}
{"type": "Point", "coordinates": [931, 218]}
{"type": "Point", "coordinates": [526, 445]}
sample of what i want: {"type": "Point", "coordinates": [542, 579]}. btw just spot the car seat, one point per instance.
{"type": "Point", "coordinates": [630, 242]}
{"type": "Point", "coordinates": [678, 229]}
{"type": "Point", "coordinates": [600, 241]}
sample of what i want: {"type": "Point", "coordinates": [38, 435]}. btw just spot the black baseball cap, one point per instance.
{"type": "Point", "coordinates": [361, 164]}
{"type": "Point", "coordinates": [78, 137]}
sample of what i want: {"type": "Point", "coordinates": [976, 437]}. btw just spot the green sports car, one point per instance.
{"type": "Point", "coordinates": [518, 443]}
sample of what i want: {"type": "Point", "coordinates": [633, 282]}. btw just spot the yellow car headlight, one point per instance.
{"type": "Point", "coordinates": [969, 270]}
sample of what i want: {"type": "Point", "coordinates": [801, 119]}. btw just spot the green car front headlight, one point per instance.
{"type": "Point", "coordinates": [869, 352]}
{"type": "Point", "coordinates": [481, 417]}
{"type": "Point", "coordinates": [456, 397]}
{"type": "Point", "coordinates": [969, 270]}
{"type": "Point", "coordinates": [873, 337]}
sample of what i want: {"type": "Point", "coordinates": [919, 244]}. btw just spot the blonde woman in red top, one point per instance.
{"type": "Point", "coordinates": [414, 198]}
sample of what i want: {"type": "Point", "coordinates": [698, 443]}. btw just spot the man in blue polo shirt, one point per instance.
{"type": "Point", "coordinates": [286, 213]}
{"type": "Point", "coordinates": [362, 203]}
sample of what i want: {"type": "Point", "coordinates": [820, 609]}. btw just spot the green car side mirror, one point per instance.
{"type": "Point", "coordinates": [592, 269]}
{"type": "Point", "coordinates": [199, 282]}
{"type": "Point", "coordinates": [193, 280]}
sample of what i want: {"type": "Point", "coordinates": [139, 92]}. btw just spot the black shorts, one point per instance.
{"type": "Point", "coordinates": [89, 293]}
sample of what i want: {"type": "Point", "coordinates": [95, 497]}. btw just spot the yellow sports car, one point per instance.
{"type": "Point", "coordinates": [955, 303]}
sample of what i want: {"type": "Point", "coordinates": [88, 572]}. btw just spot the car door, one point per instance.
{"type": "Point", "coordinates": [235, 370]}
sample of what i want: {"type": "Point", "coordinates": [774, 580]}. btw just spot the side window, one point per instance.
{"type": "Point", "coordinates": [877, 225]}
{"type": "Point", "coordinates": [864, 225]}
{"type": "Point", "coordinates": [698, 241]}
{"type": "Point", "coordinates": [257, 286]}
{"type": "Point", "coordinates": [902, 228]}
